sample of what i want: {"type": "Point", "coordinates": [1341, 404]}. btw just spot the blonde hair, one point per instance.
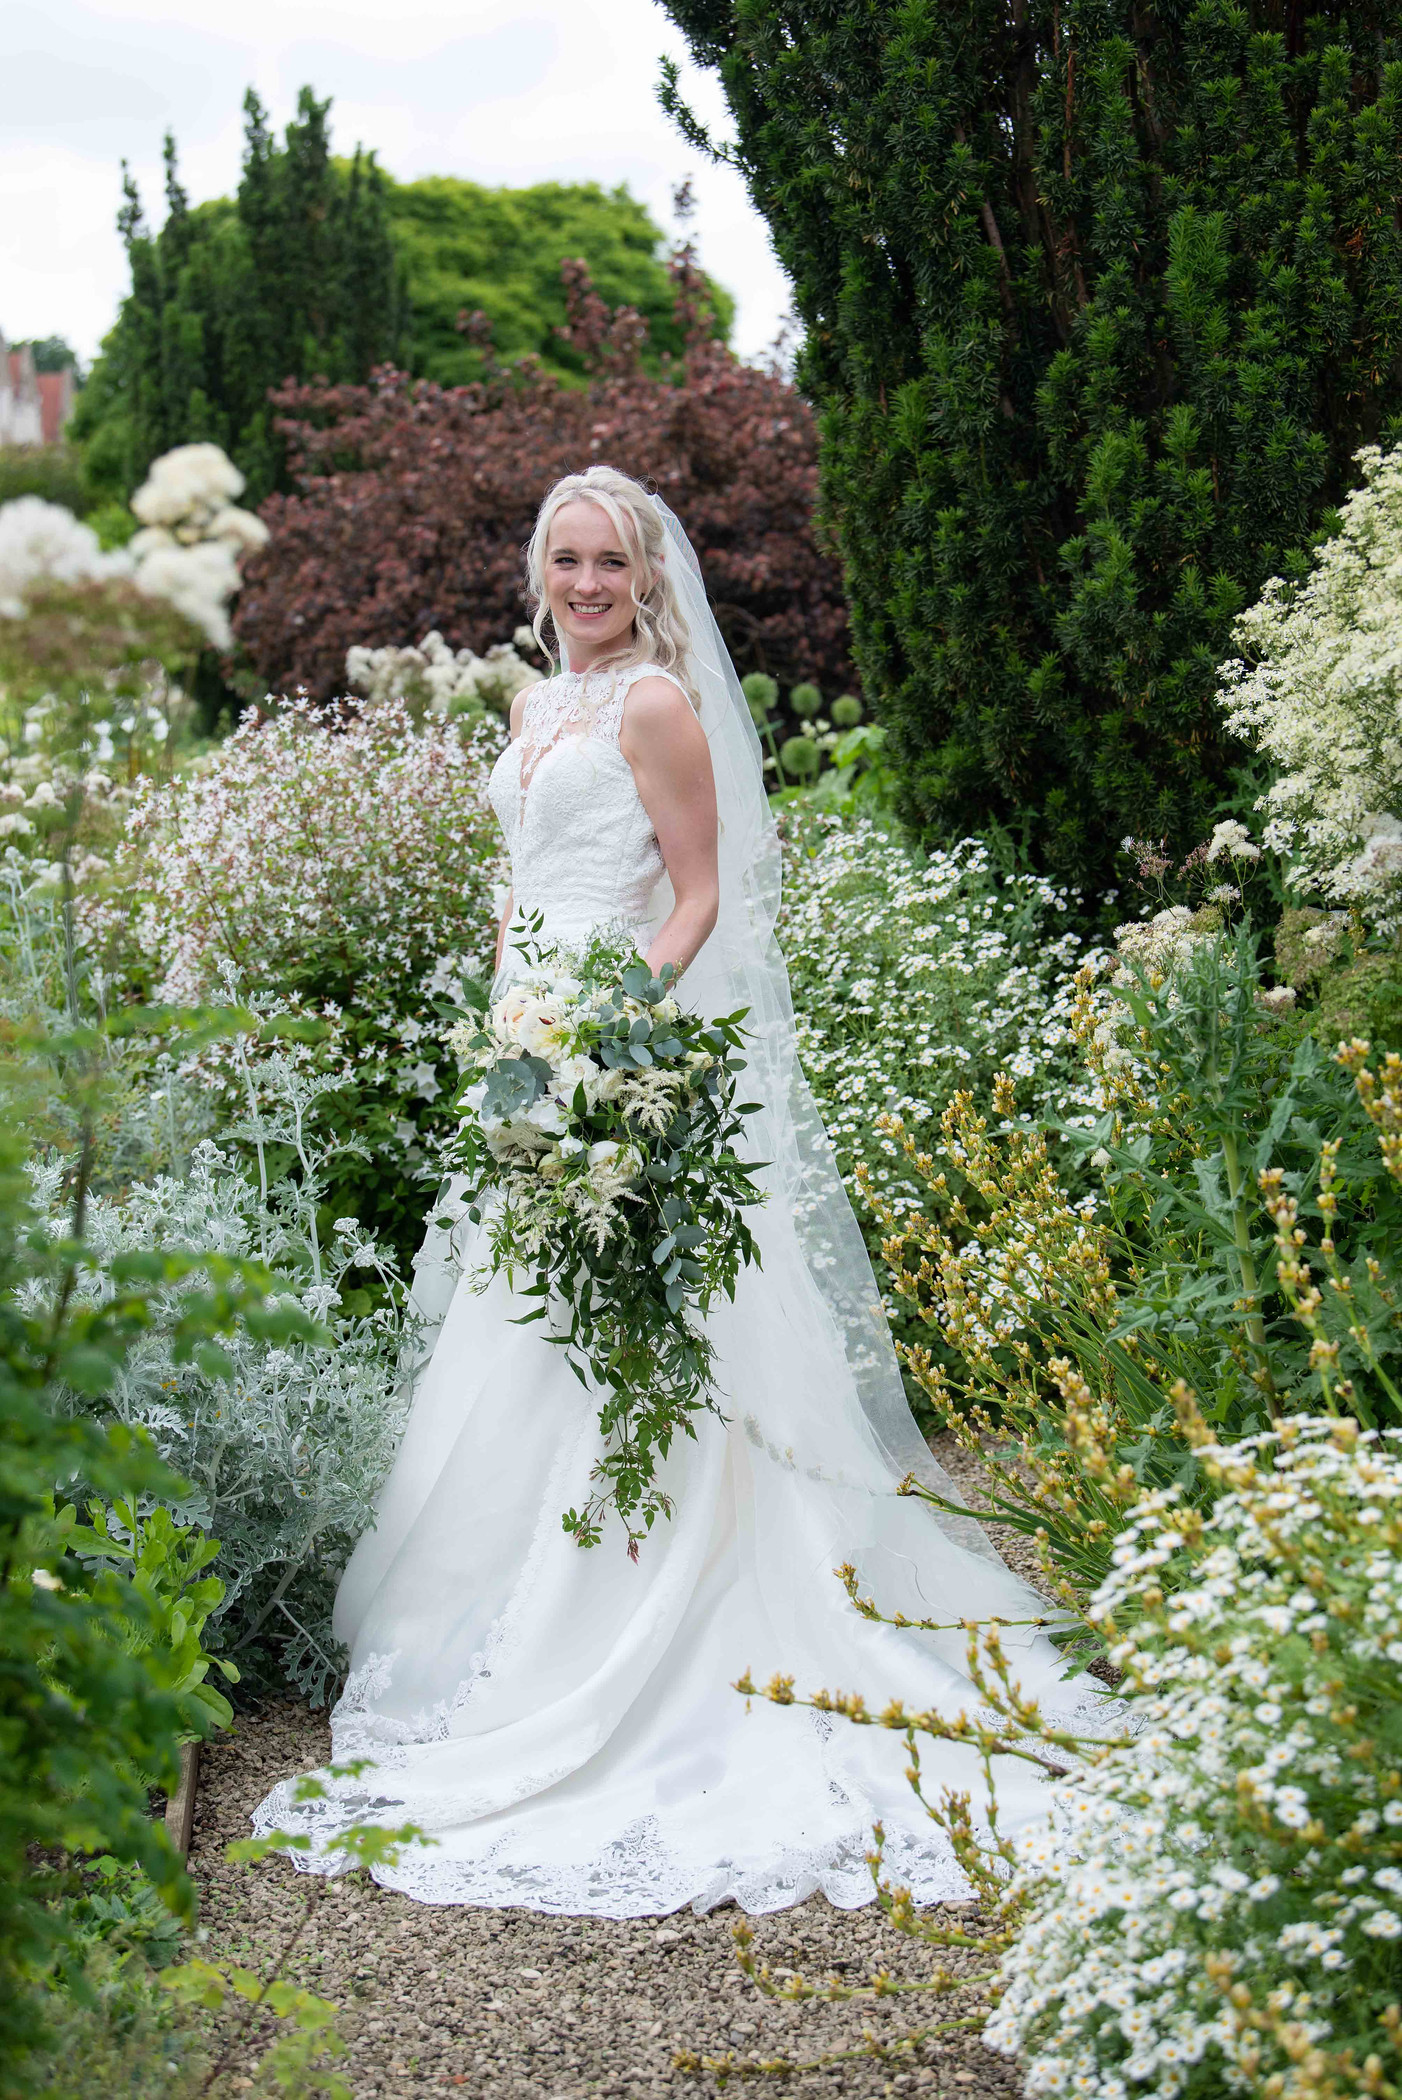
{"type": "Point", "coordinates": [660, 632]}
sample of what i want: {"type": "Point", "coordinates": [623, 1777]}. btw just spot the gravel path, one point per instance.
{"type": "Point", "coordinates": [511, 2006]}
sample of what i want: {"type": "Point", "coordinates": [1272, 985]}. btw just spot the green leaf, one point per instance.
{"type": "Point", "coordinates": [214, 1361]}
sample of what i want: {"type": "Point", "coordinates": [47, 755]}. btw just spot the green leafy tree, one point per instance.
{"type": "Point", "coordinates": [1100, 299]}
{"type": "Point", "coordinates": [52, 353]}
{"type": "Point", "coordinates": [498, 252]}
{"type": "Point", "coordinates": [296, 277]}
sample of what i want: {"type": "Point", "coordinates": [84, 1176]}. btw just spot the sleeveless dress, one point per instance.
{"type": "Point", "coordinates": [562, 1721]}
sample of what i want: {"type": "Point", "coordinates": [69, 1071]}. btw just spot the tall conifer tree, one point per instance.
{"type": "Point", "coordinates": [298, 279]}
{"type": "Point", "coordinates": [1101, 296]}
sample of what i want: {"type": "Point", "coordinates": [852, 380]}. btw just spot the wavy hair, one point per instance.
{"type": "Point", "coordinates": [660, 632]}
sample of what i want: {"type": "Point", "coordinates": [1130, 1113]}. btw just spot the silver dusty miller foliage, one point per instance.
{"type": "Point", "coordinates": [285, 1452]}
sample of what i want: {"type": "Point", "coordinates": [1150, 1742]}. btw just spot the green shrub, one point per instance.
{"type": "Point", "coordinates": [1243, 1245]}
{"type": "Point", "coordinates": [54, 472]}
{"type": "Point", "coordinates": [1098, 304]}
{"type": "Point", "coordinates": [93, 1698]}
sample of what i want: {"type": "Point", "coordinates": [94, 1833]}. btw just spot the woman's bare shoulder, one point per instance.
{"type": "Point", "coordinates": [656, 703]}
{"type": "Point", "coordinates": [518, 709]}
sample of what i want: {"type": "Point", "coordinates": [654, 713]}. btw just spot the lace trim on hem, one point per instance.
{"type": "Point", "coordinates": [637, 1875]}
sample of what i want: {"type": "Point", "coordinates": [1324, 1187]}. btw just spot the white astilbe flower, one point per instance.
{"type": "Point", "coordinates": [1320, 693]}
{"type": "Point", "coordinates": [190, 493]}
{"type": "Point", "coordinates": [44, 543]}
{"type": "Point", "coordinates": [1216, 1893]}
{"type": "Point", "coordinates": [444, 680]}
{"type": "Point", "coordinates": [197, 581]}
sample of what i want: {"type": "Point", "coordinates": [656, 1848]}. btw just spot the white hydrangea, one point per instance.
{"type": "Point", "coordinates": [190, 494]}
{"type": "Point", "coordinates": [41, 543]}
{"type": "Point", "coordinates": [194, 533]}
{"type": "Point", "coordinates": [444, 680]}
{"type": "Point", "coordinates": [1320, 693]}
{"type": "Point", "coordinates": [198, 581]}
{"type": "Point", "coordinates": [1216, 1893]}
{"type": "Point", "coordinates": [187, 554]}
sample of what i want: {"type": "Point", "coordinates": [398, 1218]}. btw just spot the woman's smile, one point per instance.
{"type": "Point", "coordinates": [588, 584]}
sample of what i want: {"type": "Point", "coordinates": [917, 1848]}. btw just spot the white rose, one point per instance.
{"type": "Point", "coordinates": [666, 1009]}
{"type": "Point", "coordinates": [607, 1084]}
{"type": "Point", "coordinates": [575, 1071]}
{"type": "Point", "coordinates": [546, 1114]}
{"type": "Point", "coordinates": [611, 1168]}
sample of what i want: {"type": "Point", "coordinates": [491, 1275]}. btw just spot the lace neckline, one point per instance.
{"type": "Point", "coordinates": [563, 708]}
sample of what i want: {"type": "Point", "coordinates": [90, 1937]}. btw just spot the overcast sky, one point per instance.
{"type": "Point", "coordinates": [501, 91]}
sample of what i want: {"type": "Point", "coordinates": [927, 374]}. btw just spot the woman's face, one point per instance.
{"type": "Point", "coordinates": [587, 582]}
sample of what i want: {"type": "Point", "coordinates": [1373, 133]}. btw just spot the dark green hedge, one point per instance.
{"type": "Point", "coordinates": [1100, 300]}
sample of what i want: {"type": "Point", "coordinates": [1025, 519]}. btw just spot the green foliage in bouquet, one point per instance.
{"type": "Point", "coordinates": [601, 1116]}
{"type": "Point", "coordinates": [1099, 302]}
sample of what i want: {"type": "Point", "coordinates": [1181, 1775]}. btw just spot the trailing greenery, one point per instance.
{"type": "Point", "coordinates": [1100, 300]}
{"type": "Point", "coordinates": [294, 276]}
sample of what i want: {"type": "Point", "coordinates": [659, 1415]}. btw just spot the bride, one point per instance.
{"type": "Point", "coordinates": [561, 1722]}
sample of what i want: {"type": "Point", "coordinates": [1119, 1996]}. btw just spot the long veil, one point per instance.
{"type": "Point", "coordinates": [741, 965]}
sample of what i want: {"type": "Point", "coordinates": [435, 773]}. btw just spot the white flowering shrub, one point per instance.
{"type": "Point", "coordinates": [1219, 1904]}
{"type": "Point", "coordinates": [915, 976]}
{"type": "Point", "coordinates": [349, 865]}
{"type": "Point", "coordinates": [1318, 689]}
{"type": "Point", "coordinates": [41, 543]}
{"type": "Point", "coordinates": [186, 555]}
{"type": "Point", "coordinates": [193, 532]}
{"type": "Point", "coordinates": [285, 1445]}
{"type": "Point", "coordinates": [444, 681]}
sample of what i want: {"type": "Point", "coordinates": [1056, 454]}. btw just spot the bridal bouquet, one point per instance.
{"type": "Point", "coordinates": [602, 1117]}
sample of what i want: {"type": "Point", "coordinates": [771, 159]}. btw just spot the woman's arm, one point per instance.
{"type": "Point", "coordinates": [502, 923]}
{"type": "Point", "coordinates": [666, 747]}
{"type": "Point", "coordinates": [518, 709]}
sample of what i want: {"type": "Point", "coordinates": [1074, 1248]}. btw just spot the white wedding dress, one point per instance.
{"type": "Point", "coordinates": [561, 1722]}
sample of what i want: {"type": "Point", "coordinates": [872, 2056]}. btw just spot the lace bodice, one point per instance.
{"type": "Point", "coordinates": [583, 850]}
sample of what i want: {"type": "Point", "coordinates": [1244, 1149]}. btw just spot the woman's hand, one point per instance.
{"type": "Point", "coordinates": [671, 760]}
